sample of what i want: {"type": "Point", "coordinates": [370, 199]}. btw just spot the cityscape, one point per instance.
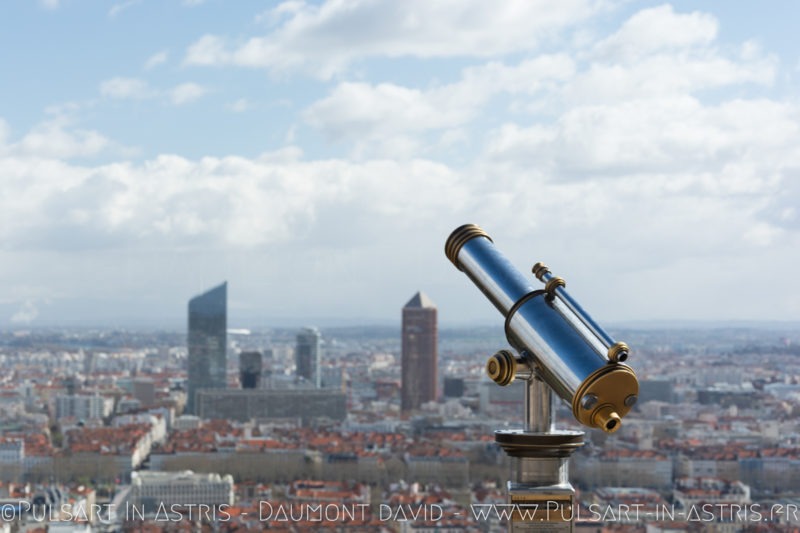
{"type": "Point", "coordinates": [378, 429]}
{"type": "Point", "coordinates": [224, 305]}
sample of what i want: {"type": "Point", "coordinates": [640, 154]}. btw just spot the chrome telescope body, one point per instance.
{"type": "Point", "coordinates": [556, 339]}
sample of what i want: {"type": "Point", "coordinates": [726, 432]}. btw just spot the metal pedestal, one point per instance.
{"type": "Point", "coordinates": [540, 493]}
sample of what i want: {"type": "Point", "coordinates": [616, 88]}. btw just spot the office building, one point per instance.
{"type": "Point", "coordinates": [244, 405]}
{"type": "Point", "coordinates": [12, 450]}
{"type": "Point", "coordinates": [419, 352]}
{"type": "Point", "coordinates": [250, 364]}
{"type": "Point", "coordinates": [89, 363]}
{"type": "Point", "coordinates": [207, 341]}
{"type": "Point", "coordinates": [659, 390]}
{"type": "Point", "coordinates": [333, 377]}
{"type": "Point", "coordinates": [83, 406]}
{"type": "Point", "coordinates": [151, 490]}
{"type": "Point", "coordinates": [144, 390]}
{"type": "Point", "coordinates": [307, 356]}
{"type": "Point", "coordinates": [453, 387]}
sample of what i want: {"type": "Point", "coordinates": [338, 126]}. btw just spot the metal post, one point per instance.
{"type": "Point", "coordinates": [539, 490]}
{"type": "Point", "coordinates": [539, 406]}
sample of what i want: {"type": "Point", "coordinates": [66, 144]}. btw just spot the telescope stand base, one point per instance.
{"type": "Point", "coordinates": [540, 494]}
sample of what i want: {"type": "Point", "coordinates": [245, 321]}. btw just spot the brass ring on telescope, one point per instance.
{"type": "Point", "coordinates": [552, 283]}
{"type": "Point", "coordinates": [459, 238]}
{"type": "Point", "coordinates": [618, 352]}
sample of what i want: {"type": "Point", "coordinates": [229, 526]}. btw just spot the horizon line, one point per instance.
{"type": "Point", "coordinates": [171, 325]}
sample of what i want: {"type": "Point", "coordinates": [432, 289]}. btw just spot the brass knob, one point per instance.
{"type": "Point", "coordinates": [502, 367]}
{"type": "Point", "coordinates": [607, 419]}
{"type": "Point", "coordinates": [618, 353]}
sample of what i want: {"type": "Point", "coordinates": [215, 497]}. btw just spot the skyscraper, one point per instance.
{"type": "Point", "coordinates": [307, 356]}
{"type": "Point", "coordinates": [420, 337]}
{"type": "Point", "coordinates": [250, 370]}
{"type": "Point", "coordinates": [208, 322]}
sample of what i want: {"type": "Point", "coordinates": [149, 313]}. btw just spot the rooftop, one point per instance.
{"type": "Point", "coordinates": [420, 301]}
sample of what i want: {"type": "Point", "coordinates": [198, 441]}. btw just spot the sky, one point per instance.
{"type": "Point", "coordinates": [316, 156]}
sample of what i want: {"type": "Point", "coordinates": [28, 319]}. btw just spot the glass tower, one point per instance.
{"type": "Point", "coordinates": [307, 356]}
{"type": "Point", "coordinates": [250, 364]}
{"type": "Point", "coordinates": [208, 323]}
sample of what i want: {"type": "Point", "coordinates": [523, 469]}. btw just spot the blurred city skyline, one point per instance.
{"type": "Point", "coordinates": [316, 155]}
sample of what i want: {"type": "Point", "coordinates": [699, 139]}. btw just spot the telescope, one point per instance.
{"type": "Point", "coordinates": [561, 351]}
{"type": "Point", "coordinates": [556, 340]}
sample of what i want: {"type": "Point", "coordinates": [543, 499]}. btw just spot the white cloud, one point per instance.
{"type": "Point", "coordinates": [343, 223]}
{"type": "Point", "coordinates": [621, 169]}
{"type": "Point", "coordinates": [659, 75]}
{"type": "Point", "coordinates": [324, 39]}
{"type": "Point", "coordinates": [658, 29]}
{"type": "Point", "coordinates": [50, 4]}
{"type": "Point", "coordinates": [660, 52]}
{"type": "Point", "coordinates": [389, 112]}
{"type": "Point", "coordinates": [387, 118]}
{"type": "Point", "coordinates": [665, 182]}
{"type": "Point", "coordinates": [529, 76]}
{"type": "Point", "coordinates": [358, 109]}
{"type": "Point", "coordinates": [274, 16]}
{"type": "Point", "coordinates": [654, 135]}
{"type": "Point", "coordinates": [208, 50]}
{"type": "Point", "coordinates": [56, 139]}
{"type": "Point", "coordinates": [231, 201]}
{"type": "Point", "coordinates": [239, 106]}
{"type": "Point", "coordinates": [126, 88]}
{"type": "Point", "coordinates": [137, 89]}
{"type": "Point", "coordinates": [26, 314]}
{"type": "Point", "coordinates": [159, 58]}
{"type": "Point", "coordinates": [118, 8]}
{"type": "Point", "coordinates": [383, 114]}
{"type": "Point", "coordinates": [186, 93]}
{"type": "Point", "coordinates": [762, 234]}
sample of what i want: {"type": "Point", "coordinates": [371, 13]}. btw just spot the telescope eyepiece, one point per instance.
{"type": "Point", "coordinates": [607, 419]}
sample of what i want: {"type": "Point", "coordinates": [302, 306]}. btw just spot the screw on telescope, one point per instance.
{"type": "Point", "coordinates": [589, 401]}
{"type": "Point", "coordinates": [539, 270]}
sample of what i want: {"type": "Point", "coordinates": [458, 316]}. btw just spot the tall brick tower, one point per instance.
{"type": "Point", "coordinates": [420, 338]}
